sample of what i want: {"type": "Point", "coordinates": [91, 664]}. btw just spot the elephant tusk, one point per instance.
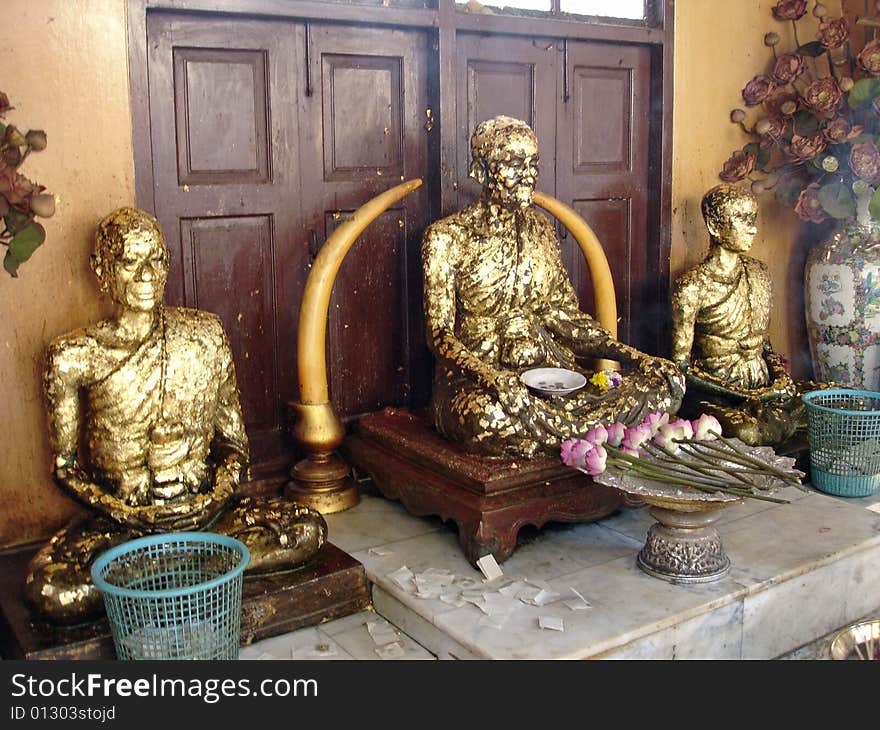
{"type": "Point", "coordinates": [597, 262]}
{"type": "Point", "coordinates": [311, 345]}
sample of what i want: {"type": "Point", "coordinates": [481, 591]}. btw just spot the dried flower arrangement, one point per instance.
{"type": "Point", "coordinates": [21, 199]}
{"type": "Point", "coordinates": [814, 142]}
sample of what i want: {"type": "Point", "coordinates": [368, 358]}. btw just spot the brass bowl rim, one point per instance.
{"type": "Point", "coordinates": [844, 640]}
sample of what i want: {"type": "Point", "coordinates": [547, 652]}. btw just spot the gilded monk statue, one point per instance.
{"type": "Point", "coordinates": [720, 318]}
{"type": "Point", "coordinates": [498, 301]}
{"type": "Point", "coordinates": [146, 430]}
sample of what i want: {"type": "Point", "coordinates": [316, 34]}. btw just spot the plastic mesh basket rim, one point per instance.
{"type": "Point", "coordinates": [171, 538]}
{"type": "Point", "coordinates": [814, 395]}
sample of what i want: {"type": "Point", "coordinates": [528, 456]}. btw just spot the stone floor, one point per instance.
{"type": "Point", "coordinates": [800, 571]}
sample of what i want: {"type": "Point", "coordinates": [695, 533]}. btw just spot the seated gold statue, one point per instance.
{"type": "Point", "coordinates": [720, 317]}
{"type": "Point", "coordinates": [146, 430]}
{"type": "Point", "coordinates": [498, 301]}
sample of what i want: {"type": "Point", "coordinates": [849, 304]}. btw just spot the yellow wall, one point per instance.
{"type": "Point", "coordinates": [719, 47]}
{"type": "Point", "coordinates": [65, 70]}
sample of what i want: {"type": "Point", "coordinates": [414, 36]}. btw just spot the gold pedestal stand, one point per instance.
{"type": "Point", "coordinates": [322, 480]}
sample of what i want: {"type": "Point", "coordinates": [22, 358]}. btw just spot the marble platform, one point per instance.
{"type": "Point", "coordinates": [799, 571]}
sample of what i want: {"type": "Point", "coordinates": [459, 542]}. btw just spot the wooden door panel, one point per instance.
{"type": "Point", "coordinates": [221, 108]}
{"type": "Point", "coordinates": [224, 137]}
{"type": "Point", "coordinates": [373, 278]}
{"type": "Point", "coordinates": [602, 172]}
{"type": "Point", "coordinates": [607, 218]}
{"type": "Point", "coordinates": [362, 134]}
{"type": "Point", "coordinates": [240, 249]}
{"type": "Point", "coordinates": [505, 75]}
{"type": "Point", "coordinates": [602, 141]}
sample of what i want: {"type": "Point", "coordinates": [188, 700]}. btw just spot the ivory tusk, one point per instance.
{"type": "Point", "coordinates": [600, 272]}
{"type": "Point", "coordinates": [311, 337]}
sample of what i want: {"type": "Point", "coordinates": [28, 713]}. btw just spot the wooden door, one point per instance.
{"type": "Point", "coordinates": [362, 132]}
{"type": "Point", "coordinates": [227, 189]}
{"type": "Point", "coordinates": [602, 172]}
{"type": "Point", "coordinates": [589, 105]}
{"type": "Point", "coordinates": [266, 134]}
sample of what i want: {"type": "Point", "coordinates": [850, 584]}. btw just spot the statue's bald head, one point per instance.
{"type": "Point", "coordinates": [112, 233]}
{"type": "Point", "coordinates": [500, 138]}
{"type": "Point", "coordinates": [722, 201]}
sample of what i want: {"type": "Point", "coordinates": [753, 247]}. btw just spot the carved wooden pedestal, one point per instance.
{"type": "Point", "coordinates": [331, 585]}
{"type": "Point", "coordinates": [489, 498]}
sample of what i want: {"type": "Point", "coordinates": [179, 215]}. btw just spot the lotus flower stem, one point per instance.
{"type": "Point", "coordinates": [670, 474]}
{"type": "Point", "coordinates": [708, 471]}
{"type": "Point", "coordinates": [746, 459]}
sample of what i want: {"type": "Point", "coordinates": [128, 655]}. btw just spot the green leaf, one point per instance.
{"type": "Point", "coordinates": [10, 264]}
{"type": "Point", "coordinates": [762, 156]}
{"type": "Point", "coordinates": [874, 205]}
{"type": "Point", "coordinates": [788, 190]}
{"type": "Point", "coordinates": [805, 124]}
{"type": "Point", "coordinates": [837, 200]}
{"type": "Point", "coordinates": [863, 93]}
{"type": "Point", "coordinates": [15, 220]}
{"type": "Point", "coordinates": [26, 241]}
{"type": "Point", "coordinates": [812, 49]}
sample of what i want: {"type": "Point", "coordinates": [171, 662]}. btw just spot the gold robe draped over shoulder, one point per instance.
{"type": "Point", "coordinates": [498, 298]}
{"type": "Point", "coordinates": [730, 321]}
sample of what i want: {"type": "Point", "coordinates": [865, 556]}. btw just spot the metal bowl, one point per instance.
{"type": "Point", "coordinates": [859, 641]}
{"type": "Point", "coordinates": [553, 381]}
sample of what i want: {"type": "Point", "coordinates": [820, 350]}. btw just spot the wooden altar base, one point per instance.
{"type": "Point", "coordinates": [488, 498]}
{"type": "Point", "coordinates": [333, 584]}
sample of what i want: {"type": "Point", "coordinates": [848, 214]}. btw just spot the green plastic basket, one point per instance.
{"type": "Point", "coordinates": [174, 596]}
{"type": "Point", "coordinates": [844, 434]}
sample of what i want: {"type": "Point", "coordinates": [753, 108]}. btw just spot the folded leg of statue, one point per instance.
{"type": "Point", "coordinates": [279, 534]}
{"type": "Point", "coordinates": [58, 583]}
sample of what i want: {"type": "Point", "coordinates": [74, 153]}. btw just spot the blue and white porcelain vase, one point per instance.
{"type": "Point", "coordinates": [842, 282]}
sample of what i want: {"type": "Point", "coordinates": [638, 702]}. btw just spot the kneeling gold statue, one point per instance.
{"type": "Point", "coordinates": [720, 318]}
{"type": "Point", "coordinates": [498, 301]}
{"type": "Point", "coordinates": [146, 430]}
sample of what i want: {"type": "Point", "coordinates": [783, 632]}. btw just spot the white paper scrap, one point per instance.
{"type": "Point", "coordinates": [489, 567]}
{"type": "Point", "coordinates": [551, 622]}
{"type": "Point", "coordinates": [497, 604]}
{"type": "Point", "coordinates": [379, 552]}
{"type": "Point", "coordinates": [266, 655]}
{"type": "Point", "coordinates": [403, 577]}
{"type": "Point", "coordinates": [578, 604]}
{"type": "Point", "coordinates": [392, 650]}
{"type": "Point", "coordinates": [382, 633]}
{"type": "Point", "coordinates": [541, 598]}
{"type": "Point", "coordinates": [453, 598]}
{"type": "Point", "coordinates": [874, 507]}
{"type": "Point", "coordinates": [466, 583]}
{"type": "Point", "coordinates": [512, 590]}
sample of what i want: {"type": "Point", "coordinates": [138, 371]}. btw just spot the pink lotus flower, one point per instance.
{"type": "Point", "coordinates": [704, 425]}
{"type": "Point", "coordinates": [670, 433]}
{"type": "Point", "coordinates": [634, 437]}
{"type": "Point", "coordinates": [597, 435]}
{"type": "Point", "coordinates": [616, 432]}
{"type": "Point", "coordinates": [572, 452]}
{"type": "Point", "coordinates": [595, 460]}
{"type": "Point", "coordinates": [656, 420]}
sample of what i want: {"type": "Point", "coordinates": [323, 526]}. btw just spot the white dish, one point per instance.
{"type": "Point", "coordinates": [553, 381]}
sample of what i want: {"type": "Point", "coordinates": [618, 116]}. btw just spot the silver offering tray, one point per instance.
{"type": "Point", "coordinates": [684, 546]}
